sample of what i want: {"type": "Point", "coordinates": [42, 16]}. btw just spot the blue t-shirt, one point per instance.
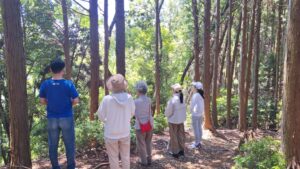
{"type": "Point", "coordinates": [59, 95]}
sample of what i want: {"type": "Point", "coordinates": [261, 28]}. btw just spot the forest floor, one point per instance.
{"type": "Point", "coordinates": [217, 152]}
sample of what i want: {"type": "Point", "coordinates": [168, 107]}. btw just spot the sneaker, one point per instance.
{"type": "Point", "coordinates": [181, 153]}
{"type": "Point", "coordinates": [175, 155]}
{"type": "Point", "coordinates": [194, 146]}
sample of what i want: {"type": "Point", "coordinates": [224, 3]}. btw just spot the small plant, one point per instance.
{"type": "Point", "coordinates": [260, 154]}
{"type": "Point", "coordinates": [160, 123]}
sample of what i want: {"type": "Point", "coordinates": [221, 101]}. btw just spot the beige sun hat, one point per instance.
{"type": "Point", "coordinates": [117, 83]}
{"type": "Point", "coordinates": [176, 87]}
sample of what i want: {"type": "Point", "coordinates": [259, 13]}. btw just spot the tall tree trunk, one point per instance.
{"type": "Point", "coordinates": [277, 66]}
{"type": "Point", "coordinates": [291, 97]}
{"type": "Point", "coordinates": [106, 45]}
{"type": "Point", "coordinates": [228, 68]}
{"type": "Point", "coordinates": [196, 51]}
{"type": "Point", "coordinates": [158, 45]}
{"type": "Point", "coordinates": [95, 58]}
{"type": "Point", "coordinates": [250, 56]}
{"type": "Point", "coordinates": [120, 37]}
{"type": "Point", "coordinates": [216, 65]}
{"type": "Point", "coordinates": [242, 113]}
{"type": "Point", "coordinates": [256, 65]}
{"type": "Point", "coordinates": [207, 74]}
{"type": "Point", "coordinates": [16, 72]}
{"type": "Point", "coordinates": [66, 44]}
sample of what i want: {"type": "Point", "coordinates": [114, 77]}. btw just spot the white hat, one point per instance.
{"type": "Point", "coordinates": [197, 85]}
{"type": "Point", "coordinates": [176, 87]}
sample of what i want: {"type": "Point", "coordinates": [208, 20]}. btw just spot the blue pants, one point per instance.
{"type": "Point", "coordinates": [66, 126]}
{"type": "Point", "coordinates": [197, 126]}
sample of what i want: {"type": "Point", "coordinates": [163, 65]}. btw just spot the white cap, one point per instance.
{"type": "Point", "coordinates": [197, 85]}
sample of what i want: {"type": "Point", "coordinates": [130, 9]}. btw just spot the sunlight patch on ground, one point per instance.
{"type": "Point", "coordinates": [207, 134]}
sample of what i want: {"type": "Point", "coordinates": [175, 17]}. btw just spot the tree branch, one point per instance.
{"type": "Point", "coordinates": [111, 27]}
{"type": "Point", "coordinates": [81, 6]}
{"type": "Point", "coordinates": [80, 13]}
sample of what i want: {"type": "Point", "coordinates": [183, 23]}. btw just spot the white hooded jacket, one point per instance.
{"type": "Point", "coordinates": [116, 111]}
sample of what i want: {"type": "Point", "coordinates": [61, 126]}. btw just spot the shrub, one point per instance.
{"type": "Point", "coordinates": [89, 133]}
{"type": "Point", "coordinates": [260, 154]}
{"type": "Point", "coordinates": [160, 123]}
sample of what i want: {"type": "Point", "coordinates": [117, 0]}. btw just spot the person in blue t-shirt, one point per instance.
{"type": "Point", "coordinates": [59, 95]}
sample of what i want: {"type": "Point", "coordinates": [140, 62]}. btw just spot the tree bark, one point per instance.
{"type": "Point", "coordinates": [216, 65]}
{"type": "Point", "coordinates": [207, 63]}
{"type": "Point", "coordinates": [16, 72]}
{"type": "Point", "coordinates": [66, 43]}
{"type": "Point", "coordinates": [291, 97]}
{"type": "Point", "coordinates": [120, 37]}
{"type": "Point", "coordinates": [242, 113]}
{"type": "Point", "coordinates": [228, 69]}
{"type": "Point", "coordinates": [277, 66]}
{"type": "Point", "coordinates": [196, 51]}
{"type": "Point", "coordinates": [106, 45]}
{"type": "Point", "coordinates": [158, 45]}
{"type": "Point", "coordinates": [95, 58]}
{"type": "Point", "coordinates": [256, 65]}
{"type": "Point", "coordinates": [250, 56]}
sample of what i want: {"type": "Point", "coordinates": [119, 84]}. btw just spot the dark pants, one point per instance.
{"type": "Point", "coordinates": [144, 146]}
{"type": "Point", "coordinates": [177, 138]}
{"type": "Point", "coordinates": [66, 126]}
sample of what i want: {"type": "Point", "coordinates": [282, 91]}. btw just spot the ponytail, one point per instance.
{"type": "Point", "coordinates": [201, 92]}
{"type": "Point", "coordinates": [180, 96]}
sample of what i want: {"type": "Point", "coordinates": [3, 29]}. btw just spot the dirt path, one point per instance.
{"type": "Point", "coordinates": [216, 153]}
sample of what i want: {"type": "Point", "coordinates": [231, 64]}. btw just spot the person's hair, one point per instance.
{"type": "Point", "coordinates": [141, 87]}
{"type": "Point", "coordinates": [201, 92]}
{"type": "Point", "coordinates": [180, 96]}
{"type": "Point", "coordinates": [57, 66]}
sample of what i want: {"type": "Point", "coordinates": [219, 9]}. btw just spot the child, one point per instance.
{"type": "Point", "coordinates": [59, 95]}
{"type": "Point", "coordinates": [197, 109]}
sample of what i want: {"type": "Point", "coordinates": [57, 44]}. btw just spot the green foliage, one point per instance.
{"type": "Point", "coordinates": [260, 154]}
{"type": "Point", "coordinates": [160, 123]}
{"type": "Point", "coordinates": [88, 133]}
{"type": "Point", "coordinates": [221, 106]}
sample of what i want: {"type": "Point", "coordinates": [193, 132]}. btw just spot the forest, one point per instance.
{"type": "Point", "coordinates": [245, 52]}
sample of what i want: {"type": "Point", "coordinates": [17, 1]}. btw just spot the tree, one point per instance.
{"type": "Point", "coordinates": [66, 44]}
{"type": "Point", "coordinates": [120, 37]}
{"type": "Point", "coordinates": [291, 97]}
{"type": "Point", "coordinates": [228, 69]}
{"type": "Point", "coordinates": [256, 64]}
{"type": "Point", "coordinates": [16, 71]}
{"type": "Point", "coordinates": [95, 58]}
{"type": "Point", "coordinates": [207, 74]}
{"type": "Point", "coordinates": [196, 51]}
{"type": "Point", "coordinates": [242, 113]}
{"type": "Point", "coordinates": [277, 65]}
{"type": "Point", "coordinates": [216, 65]}
{"type": "Point", "coordinates": [250, 56]}
{"type": "Point", "coordinates": [158, 55]}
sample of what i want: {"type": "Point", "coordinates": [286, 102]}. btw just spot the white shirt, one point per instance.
{"type": "Point", "coordinates": [175, 111]}
{"type": "Point", "coordinates": [197, 105]}
{"type": "Point", "coordinates": [116, 111]}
